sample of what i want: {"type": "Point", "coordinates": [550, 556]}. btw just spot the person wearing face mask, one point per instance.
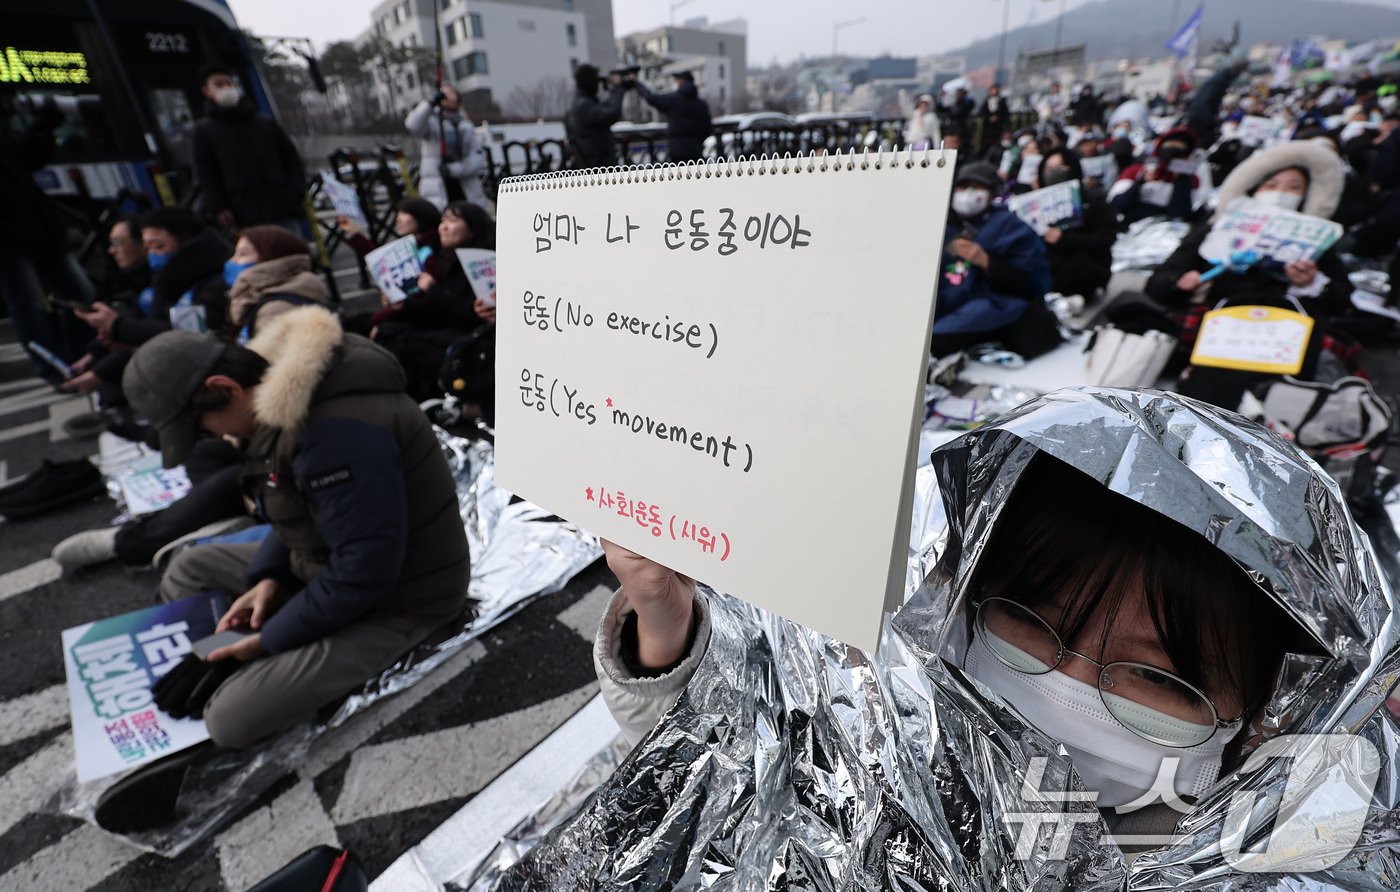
{"type": "Point", "coordinates": [995, 274]}
{"type": "Point", "coordinates": [187, 289]}
{"type": "Point", "coordinates": [1080, 251]}
{"type": "Point", "coordinates": [1161, 186]}
{"type": "Point", "coordinates": [1296, 176]}
{"type": "Point", "coordinates": [247, 168]}
{"type": "Point", "coordinates": [268, 274]}
{"type": "Point", "coordinates": [452, 157]}
{"type": "Point", "coordinates": [1094, 608]}
{"type": "Point", "coordinates": [419, 329]}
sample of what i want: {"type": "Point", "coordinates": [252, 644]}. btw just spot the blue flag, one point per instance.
{"type": "Point", "coordinates": [1184, 42]}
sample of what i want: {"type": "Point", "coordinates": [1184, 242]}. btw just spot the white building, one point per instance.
{"type": "Point", "coordinates": [717, 55]}
{"type": "Point", "coordinates": [494, 48]}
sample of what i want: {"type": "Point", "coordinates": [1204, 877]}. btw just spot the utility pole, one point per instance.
{"type": "Point", "coordinates": [1001, 47]}
{"type": "Point", "coordinates": [835, 34]}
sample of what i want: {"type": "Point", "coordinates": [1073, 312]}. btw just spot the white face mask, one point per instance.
{"type": "Point", "coordinates": [227, 97]}
{"type": "Point", "coordinates": [1111, 760]}
{"type": "Point", "coordinates": [1289, 201]}
{"type": "Point", "coordinates": [971, 202]}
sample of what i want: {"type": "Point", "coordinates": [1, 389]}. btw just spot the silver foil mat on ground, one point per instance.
{"type": "Point", "coordinates": [519, 553]}
{"type": "Point", "coordinates": [1147, 244]}
{"type": "Point", "coordinates": [793, 762]}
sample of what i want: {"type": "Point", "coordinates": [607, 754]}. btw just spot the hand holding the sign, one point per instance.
{"type": "Point", "coordinates": [1052, 236]}
{"type": "Point", "coordinates": [486, 311]}
{"type": "Point", "coordinates": [664, 601]}
{"type": "Point", "coordinates": [425, 281]}
{"type": "Point", "coordinates": [1301, 273]}
{"type": "Point", "coordinates": [972, 252]}
{"type": "Point", "coordinates": [1189, 281]}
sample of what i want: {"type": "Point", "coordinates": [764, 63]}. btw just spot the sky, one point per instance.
{"type": "Point", "coordinates": [778, 29]}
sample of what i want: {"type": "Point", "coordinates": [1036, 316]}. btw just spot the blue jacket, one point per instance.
{"type": "Point", "coordinates": [971, 300]}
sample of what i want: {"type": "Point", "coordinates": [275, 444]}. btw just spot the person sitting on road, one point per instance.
{"type": "Point", "coordinates": [419, 328]}
{"type": "Point", "coordinates": [366, 556]}
{"type": "Point", "coordinates": [995, 274]}
{"type": "Point", "coordinates": [269, 274]}
{"type": "Point", "coordinates": [1080, 251]}
{"type": "Point", "coordinates": [186, 259]}
{"type": "Point", "coordinates": [127, 290]}
{"type": "Point", "coordinates": [1161, 186]}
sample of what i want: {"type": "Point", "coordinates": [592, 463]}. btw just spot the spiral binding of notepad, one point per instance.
{"type": "Point", "coordinates": [759, 165]}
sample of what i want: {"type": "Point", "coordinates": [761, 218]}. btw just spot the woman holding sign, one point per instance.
{"type": "Point", "coordinates": [419, 328]}
{"type": "Point", "coordinates": [1289, 179]}
{"type": "Point", "coordinates": [1094, 654]}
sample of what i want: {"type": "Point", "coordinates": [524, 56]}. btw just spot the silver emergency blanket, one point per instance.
{"type": "Point", "coordinates": [519, 553]}
{"type": "Point", "coordinates": [794, 762]}
{"type": "Point", "coordinates": [1147, 244]}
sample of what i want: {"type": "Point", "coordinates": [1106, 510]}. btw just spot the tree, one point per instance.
{"type": "Point", "coordinates": [550, 98]}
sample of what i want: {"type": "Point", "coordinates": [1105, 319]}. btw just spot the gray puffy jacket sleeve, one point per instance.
{"type": "Point", "coordinates": [637, 703]}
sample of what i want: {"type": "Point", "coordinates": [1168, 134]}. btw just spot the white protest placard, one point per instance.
{"type": "Point", "coordinates": [396, 267]}
{"type": "Point", "coordinates": [1256, 130]}
{"type": "Point", "coordinates": [1275, 233]}
{"type": "Point", "coordinates": [1103, 168]}
{"type": "Point", "coordinates": [152, 488]}
{"type": "Point", "coordinates": [698, 364]}
{"type": "Point", "coordinates": [480, 267]}
{"type": "Point", "coordinates": [344, 200]}
{"type": "Point", "coordinates": [112, 665]}
{"type": "Point", "coordinates": [1061, 204]}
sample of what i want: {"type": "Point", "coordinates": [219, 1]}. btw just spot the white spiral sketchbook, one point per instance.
{"type": "Point", "coordinates": [721, 366]}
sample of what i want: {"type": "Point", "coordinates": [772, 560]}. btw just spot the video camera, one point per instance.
{"type": "Point", "coordinates": [627, 74]}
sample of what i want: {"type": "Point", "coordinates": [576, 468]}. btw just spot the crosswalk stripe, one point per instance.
{"type": "Point", "coordinates": [416, 771]}
{"type": "Point", "coordinates": [22, 402]}
{"type": "Point", "coordinates": [28, 578]}
{"type": "Point", "coordinates": [26, 384]}
{"type": "Point", "coordinates": [459, 844]}
{"type": "Point", "coordinates": [80, 860]}
{"type": "Point", "coordinates": [24, 430]}
{"type": "Point", "coordinates": [29, 714]}
{"type": "Point", "coordinates": [26, 786]}
{"type": "Point", "coordinates": [584, 614]}
{"type": "Point", "coordinates": [272, 836]}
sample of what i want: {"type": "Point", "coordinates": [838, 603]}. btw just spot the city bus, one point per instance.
{"type": "Point", "coordinates": [125, 75]}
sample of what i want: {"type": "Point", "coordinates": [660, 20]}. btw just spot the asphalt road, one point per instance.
{"type": "Point", "coordinates": [378, 784]}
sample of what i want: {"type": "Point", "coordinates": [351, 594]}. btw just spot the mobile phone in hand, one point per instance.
{"type": "Point", "coordinates": [205, 646]}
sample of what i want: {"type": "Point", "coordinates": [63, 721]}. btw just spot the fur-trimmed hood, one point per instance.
{"type": "Point", "coordinates": [1326, 175]}
{"type": "Point", "coordinates": [300, 347]}
{"type": "Point", "coordinates": [280, 276]}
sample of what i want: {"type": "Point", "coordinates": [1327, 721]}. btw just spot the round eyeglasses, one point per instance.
{"type": "Point", "coordinates": [1153, 703]}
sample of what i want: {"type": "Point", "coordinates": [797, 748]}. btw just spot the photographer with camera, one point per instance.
{"type": "Point", "coordinates": [687, 117]}
{"type": "Point", "coordinates": [452, 160]}
{"type": "Point", "coordinates": [588, 123]}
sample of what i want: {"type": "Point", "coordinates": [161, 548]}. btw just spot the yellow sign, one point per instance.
{"type": "Point", "coordinates": [1253, 339]}
{"type": "Point", "coordinates": [42, 67]}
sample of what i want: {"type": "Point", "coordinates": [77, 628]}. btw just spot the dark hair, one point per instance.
{"type": "Point", "coordinates": [586, 78]}
{"type": "Point", "coordinates": [1061, 533]}
{"type": "Point", "coordinates": [212, 69]}
{"type": "Point", "coordinates": [684, 76]}
{"type": "Point", "coordinates": [481, 224]}
{"type": "Point", "coordinates": [1069, 156]}
{"type": "Point", "coordinates": [182, 223]}
{"type": "Point", "coordinates": [238, 363]}
{"type": "Point", "coordinates": [272, 242]}
{"type": "Point", "coordinates": [133, 227]}
{"type": "Point", "coordinates": [423, 211]}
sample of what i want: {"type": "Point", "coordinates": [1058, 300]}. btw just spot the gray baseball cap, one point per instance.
{"type": "Point", "coordinates": [160, 380]}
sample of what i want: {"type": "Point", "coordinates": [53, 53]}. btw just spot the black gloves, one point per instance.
{"type": "Point", "coordinates": [437, 99]}
{"type": "Point", "coordinates": [184, 690]}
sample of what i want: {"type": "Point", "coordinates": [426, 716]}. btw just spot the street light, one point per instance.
{"type": "Point", "coordinates": [836, 30]}
{"type": "Point", "coordinates": [677, 4]}
{"type": "Point", "coordinates": [1001, 47]}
